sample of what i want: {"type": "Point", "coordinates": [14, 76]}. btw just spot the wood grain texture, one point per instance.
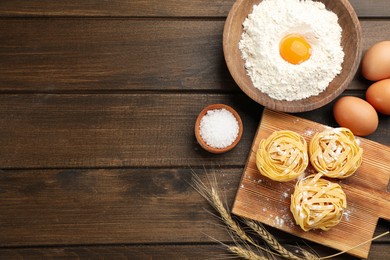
{"type": "Point", "coordinates": [91, 55]}
{"type": "Point", "coordinates": [371, 8]}
{"type": "Point", "coordinates": [379, 252]}
{"type": "Point", "coordinates": [174, 252]}
{"type": "Point", "coordinates": [90, 91]}
{"type": "Point", "coordinates": [68, 207]}
{"type": "Point", "coordinates": [75, 207]}
{"type": "Point", "coordinates": [151, 8]}
{"type": "Point", "coordinates": [146, 130]}
{"type": "Point", "coordinates": [268, 201]}
{"type": "Point", "coordinates": [88, 54]}
{"type": "Point", "coordinates": [123, 130]}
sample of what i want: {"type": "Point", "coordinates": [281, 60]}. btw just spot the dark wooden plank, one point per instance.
{"type": "Point", "coordinates": [136, 55]}
{"type": "Point", "coordinates": [119, 252]}
{"type": "Point", "coordinates": [59, 207]}
{"type": "Point", "coordinates": [371, 8]}
{"type": "Point", "coordinates": [146, 130]}
{"type": "Point", "coordinates": [91, 55]}
{"type": "Point", "coordinates": [129, 206]}
{"type": "Point", "coordinates": [151, 8]}
{"type": "Point", "coordinates": [378, 252]}
{"type": "Point", "coordinates": [122, 130]}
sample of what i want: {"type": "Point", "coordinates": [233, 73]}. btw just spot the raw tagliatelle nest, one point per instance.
{"type": "Point", "coordinates": [335, 153]}
{"type": "Point", "coordinates": [282, 156]}
{"type": "Point", "coordinates": [317, 203]}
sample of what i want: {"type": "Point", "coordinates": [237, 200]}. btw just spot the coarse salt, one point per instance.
{"type": "Point", "coordinates": [219, 128]}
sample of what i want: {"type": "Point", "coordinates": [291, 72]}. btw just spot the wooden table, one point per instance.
{"type": "Point", "coordinates": [98, 101]}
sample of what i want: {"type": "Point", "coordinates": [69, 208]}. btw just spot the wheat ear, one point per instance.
{"type": "Point", "coordinates": [212, 196]}
{"type": "Point", "coordinates": [273, 243]}
{"type": "Point", "coordinates": [226, 217]}
{"type": "Point", "coordinates": [245, 253]}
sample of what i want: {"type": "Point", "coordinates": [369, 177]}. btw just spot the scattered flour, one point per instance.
{"type": "Point", "coordinates": [358, 141]}
{"type": "Point", "coordinates": [309, 132]}
{"type": "Point", "coordinates": [279, 221]}
{"type": "Point", "coordinates": [347, 214]}
{"type": "Point", "coordinates": [270, 22]}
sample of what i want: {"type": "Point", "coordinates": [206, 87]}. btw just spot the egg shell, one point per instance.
{"type": "Point", "coordinates": [376, 62]}
{"type": "Point", "coordinates": [378, 95]}
{"type": "Point", "coordinates": [356, 114]}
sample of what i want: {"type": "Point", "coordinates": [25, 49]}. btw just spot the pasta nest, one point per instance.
{"type": "Point", "coordinates": [335, 153]}
{"type": "Point", "coordinates": [317, 203]}
{"type": "Point", "coordinates": [282, 156]}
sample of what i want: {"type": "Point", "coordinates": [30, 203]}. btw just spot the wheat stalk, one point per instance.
{"type": "Point", "coordinates": [211, 194]}
{"type": "Point", "coordinates": [226, 217]}
{"type": "Point", "coordinates": [242, 249]}
{"type": "Point", "coordinates": [260, 230]}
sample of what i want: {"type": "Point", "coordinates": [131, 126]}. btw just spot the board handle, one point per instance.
{"type": "Point", "coordinates": [385, 207]}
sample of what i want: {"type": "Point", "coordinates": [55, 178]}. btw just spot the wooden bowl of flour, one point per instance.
{"type": "Point", "coordinates": [350, 41]}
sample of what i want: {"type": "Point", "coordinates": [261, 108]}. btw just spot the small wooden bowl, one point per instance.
{"type": "Point", "coordinates": [351, 42]}
{"type": "Point", "coordinates": [199, 138]}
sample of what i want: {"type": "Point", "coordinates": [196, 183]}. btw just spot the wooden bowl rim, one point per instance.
{"type": "Point", "coordinates": [199, 138]}
{"type": "Point", "coordinates": [302, 105]}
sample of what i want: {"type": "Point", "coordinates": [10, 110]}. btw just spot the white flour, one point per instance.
{"type": "Point", "coordinates": [272, 20]}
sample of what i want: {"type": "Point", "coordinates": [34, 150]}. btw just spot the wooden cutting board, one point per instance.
{"type": "Point", "coordinates": [268, 201]}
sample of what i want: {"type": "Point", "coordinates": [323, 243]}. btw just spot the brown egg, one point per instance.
{"type": "Point", "coordinates": [378, 95]}
{"type": "Point", "coordinates": [356, 114]}
{"type": "Point", "coordinates": [376, 62]}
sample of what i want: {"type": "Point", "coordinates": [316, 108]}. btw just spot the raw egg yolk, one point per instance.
{"type": "Point", "coordinates": [294, 49]}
